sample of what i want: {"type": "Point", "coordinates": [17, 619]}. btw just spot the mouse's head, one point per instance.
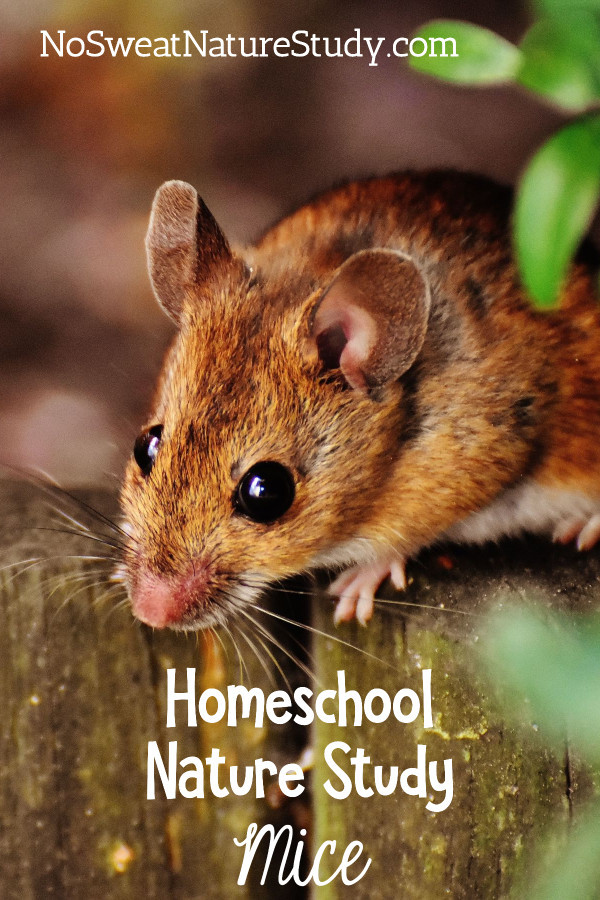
{"type": "Point", "coordinates": [278, 414]}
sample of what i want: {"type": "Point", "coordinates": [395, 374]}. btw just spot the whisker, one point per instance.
{"type": "Point", "coordinates": [239, 655]}
{"type": "Point", "coordinates": [276, 643]}
{"type": "Point", "coordinates": [85, 532]}
{"type": "Point", "coordinates": [302, 646]}
{"type": "Point", "coordinates": [216, 633]}
{"type": "Point", "coordinates": [33, 560]}
{"type": "Point", "coordinates": [120, 604]}
{"type": "Point", "coordinates": [53, 580]}
{"type": "Point", "coordinates": [408, 603]}
{"type": "Point", "coordinates": [50, 486]}
{"type": "Point", "coordinates": [317, 631]}
{"type": "Point", "coordinates": [273, 659]}
{"type": "Point", "coordinates": [253, 623]}
{"type": "Point", "coordinates": [85, 587]}
{"type": "Point", "coordinates": [252, 646]}
{"type": "Point", "coordinates": [430, 606]}
{"type": "Point", "coordinates": [16, 575]}
{"type": "Point", "coordinates": [70, 578]}
{"type": "Point", "coordinates": [60, 583]}
{"type": "Point", "coordinates": [58, 556]}
{"type": "Point", "coordinates": [79, 525]}
{"type": "Point", "coordinates": [89, 537]}
{"type": "Point", "coordinates": [113, 607]}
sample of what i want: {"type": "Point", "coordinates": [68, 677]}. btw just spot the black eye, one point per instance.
{"type": "Point", "coordinates": [265, 492]}
{"type": "Point", "coordinates": [146, 448]}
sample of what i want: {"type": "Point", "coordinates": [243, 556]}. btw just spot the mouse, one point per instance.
{"type": "Point", "coordinates": [368, 379]}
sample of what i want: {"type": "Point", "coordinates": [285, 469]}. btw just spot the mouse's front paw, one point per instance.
{"type": "Point", "coordinates": [586, 531]}
{"type": "Point", "coordinates": [356, 588]}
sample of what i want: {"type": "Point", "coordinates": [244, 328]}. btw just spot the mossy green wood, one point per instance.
{"type": "Point", "coordinates": [509, 790]}
{"type": "Point", "coordinates": [83, 690]}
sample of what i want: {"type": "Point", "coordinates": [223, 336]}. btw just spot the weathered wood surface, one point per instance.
{"type": "Point", "coordinates": [509, 790]}
{"type": "Point", "coordinates": [82, 690]}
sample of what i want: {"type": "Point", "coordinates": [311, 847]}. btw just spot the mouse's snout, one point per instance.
{"type": "Point", "coordinates": [171, 600]}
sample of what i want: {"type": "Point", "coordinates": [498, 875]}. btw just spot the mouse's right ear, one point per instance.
{"type": "Point", "coordinates": [183, 244]}
{"type": "Point", "coordinates": [371, 320]}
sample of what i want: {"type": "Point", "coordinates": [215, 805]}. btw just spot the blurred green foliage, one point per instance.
{"type": "Point", "coordinates": [561, 60]}
{"type": "Point", "coordinates": [483, 57]}
{"type": "Point", "coordinates": [554, 662]}
{"type": "Point", "coordinates": [558, 59]}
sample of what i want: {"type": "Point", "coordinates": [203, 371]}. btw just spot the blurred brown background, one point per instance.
{"type": "Point", "coordinates": [84, 143]}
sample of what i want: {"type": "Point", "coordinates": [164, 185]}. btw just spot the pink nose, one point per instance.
{"type": "Point", "coordinates": [167, 600]}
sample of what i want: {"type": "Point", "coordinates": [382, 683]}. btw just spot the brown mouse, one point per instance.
{"type": "Point", "coordinates": [366, 380]}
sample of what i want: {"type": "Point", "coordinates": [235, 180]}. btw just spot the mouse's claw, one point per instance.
{"type": "Point", "coordinates": [356, 588]}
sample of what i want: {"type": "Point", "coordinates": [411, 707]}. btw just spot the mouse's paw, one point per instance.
{"type": "Point", "coordinates": [356, 588]}
{"type": "Point", "coordinates": [587, 532]}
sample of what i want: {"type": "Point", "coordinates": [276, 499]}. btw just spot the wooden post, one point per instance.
{"type": "Point", "coordinates": [83, 691]}
{"type": "Point", "coordinates": [509, 790]}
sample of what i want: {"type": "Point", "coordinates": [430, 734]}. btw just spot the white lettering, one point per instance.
{"type": "Point", "coordinates": [189, 695]}
{"type": "Point", "coordinates": [200, 48]}
{"type": "Point", "coordinates": [169, 782]}
{"type": "Point", "coordinates": [343, 792]}
{"type": "Point", "coordinates": [297, 39]}
{"type": "Point", "coordinates": [58, 49]}
{"type": "Point", "coordinates": [92, 40]}
{"type": "Point", "coordinates": [444, 41]}
{"type": "Point", "coordinates": [447, 786]}
{"type": "Point", "coordinates": [411, 46]}
{"type": "Point", "coordinates": [375, 51]}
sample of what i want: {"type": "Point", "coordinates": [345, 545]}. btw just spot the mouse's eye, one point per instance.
{"type": "Point", "coordinates": [265, 492]}
{"type": "Point", "coordinates": [146, 448]}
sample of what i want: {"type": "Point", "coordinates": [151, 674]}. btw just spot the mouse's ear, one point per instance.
{"type": "Point", "coordinates": [372, 319]}
{"type": "Point", "coordinates": [183, 244]}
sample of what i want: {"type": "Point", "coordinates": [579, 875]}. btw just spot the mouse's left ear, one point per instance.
{"type": "Point", "coordinates": [183, 244]}
{"type": "Point", "coordinates": [372, 319]}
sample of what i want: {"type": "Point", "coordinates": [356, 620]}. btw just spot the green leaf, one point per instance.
{"type": "Point", "coordinates": [567, 869]}
{"type": "Point", "coordinates": [555, 202]}
{"type": "Point", "coordinates": [559, 8]}
{"type": "Point", "coordinates": [555, 663]}
{"type": "Point", "coordinates": [483, 57]}
{"type": "Point", "coordinates": [561, 60]}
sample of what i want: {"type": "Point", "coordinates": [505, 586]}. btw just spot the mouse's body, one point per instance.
{"type": "Point", "coordinates": [376, 349]}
